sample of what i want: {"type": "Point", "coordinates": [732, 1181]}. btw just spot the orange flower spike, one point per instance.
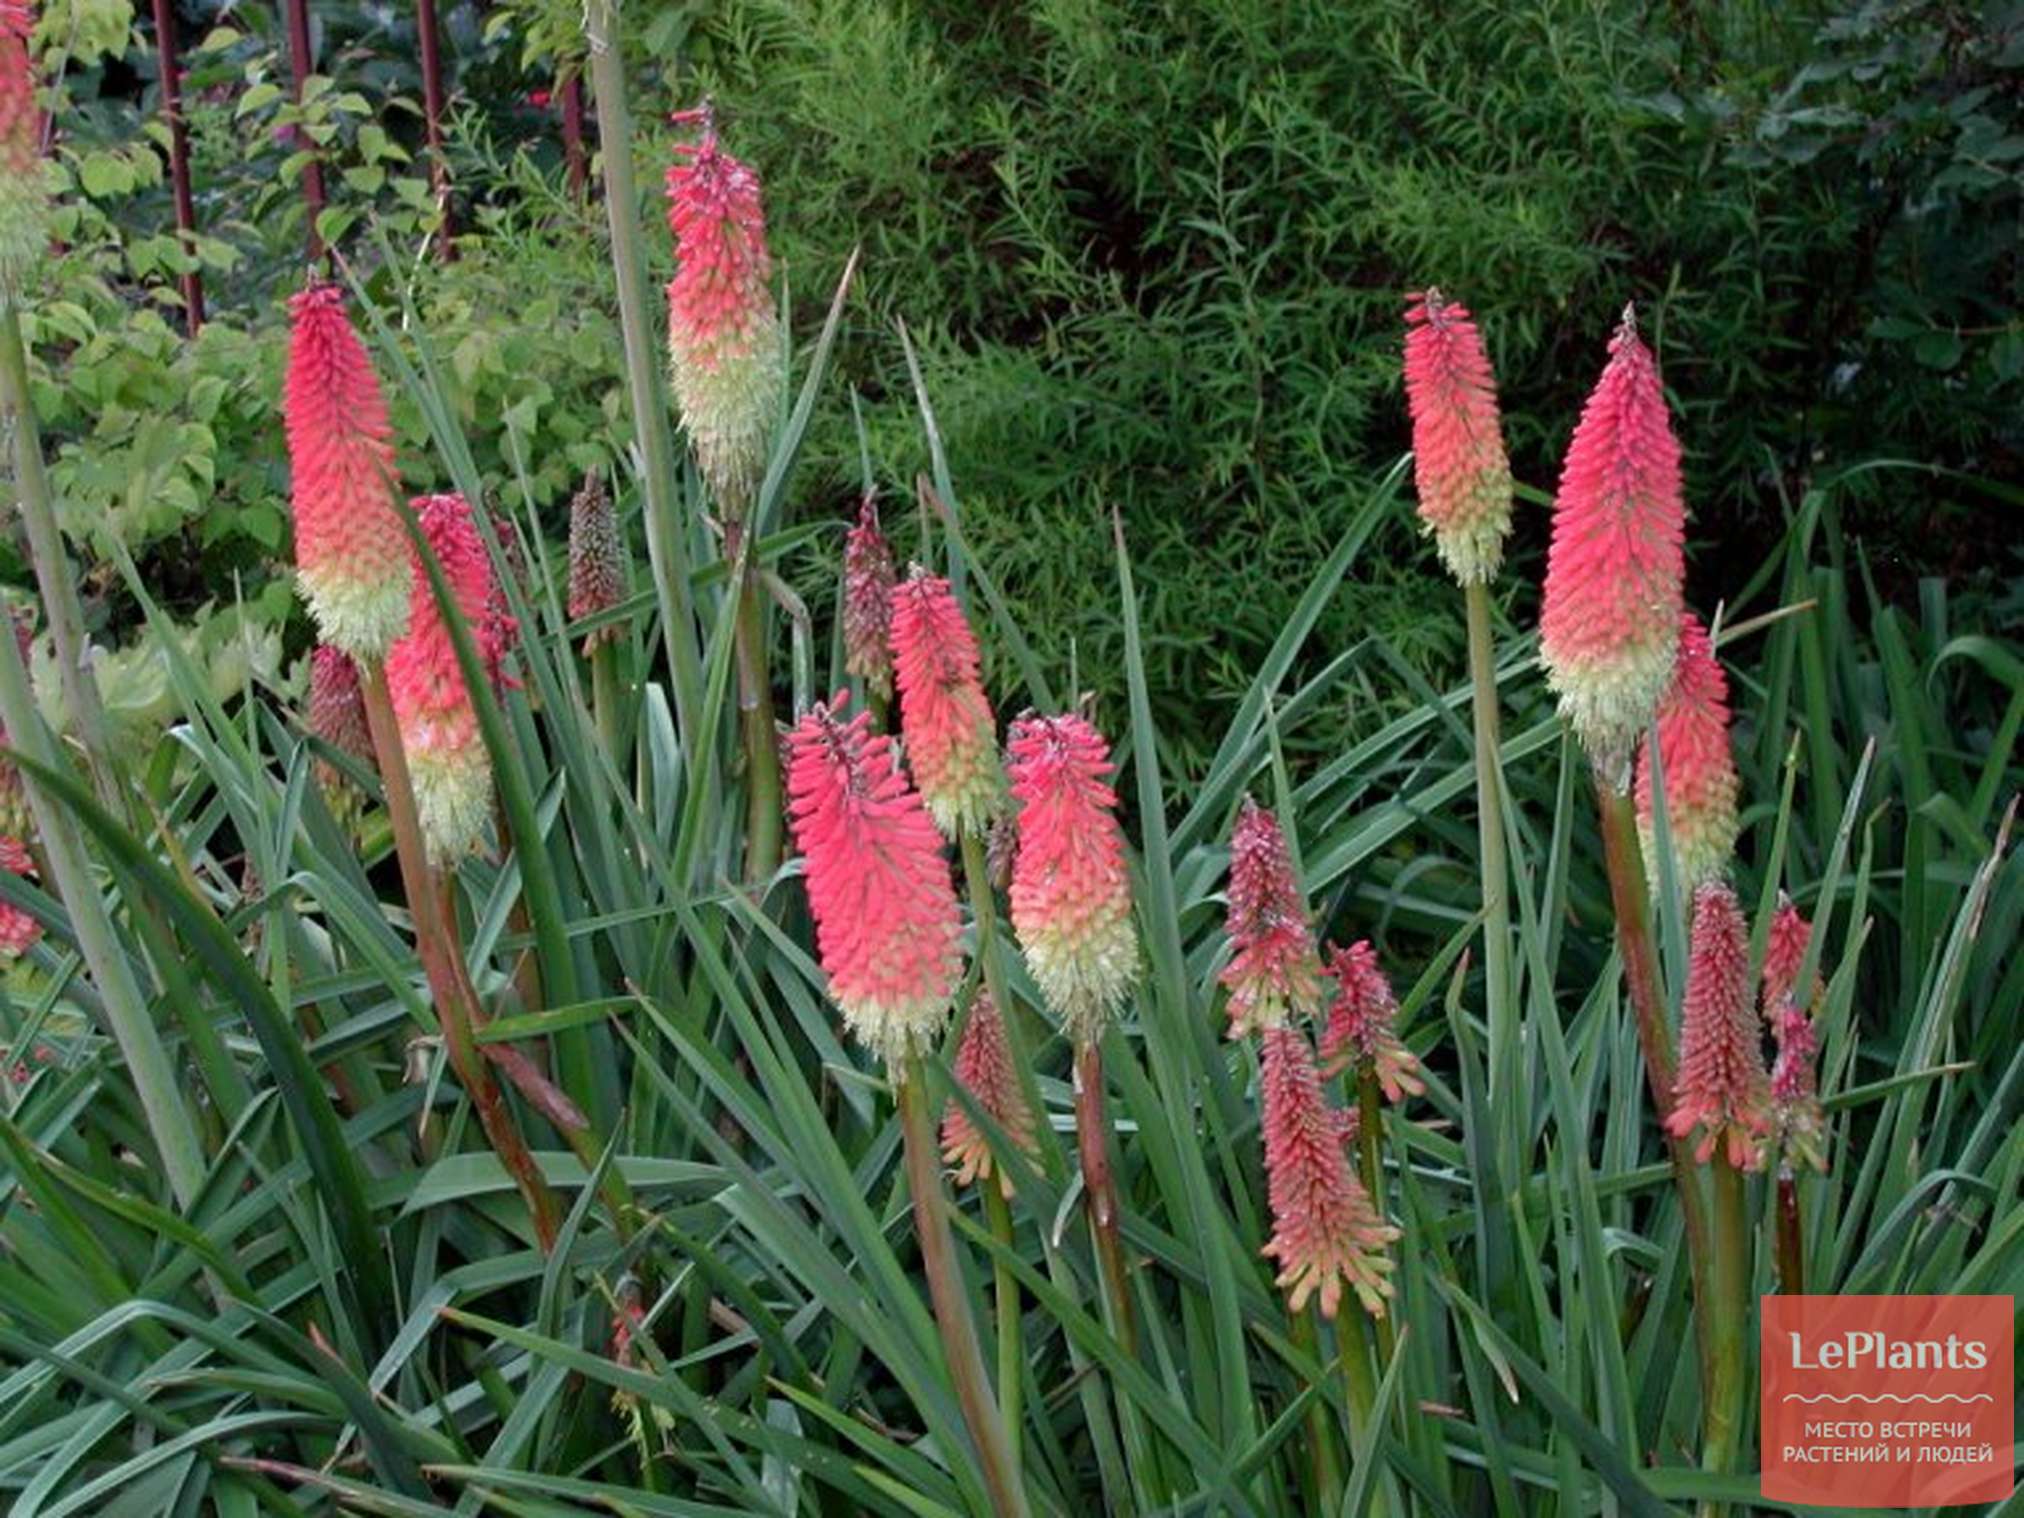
{"type": "Point", "coordinates": [447, 761]}
{"type": "Point", "coordinates": [1071, 890]}
{"type": "Point", "coordinates": [879, 887]}
{"type": "Point", "coordinates": [1363, 1023]}
{"type": "Point", "coordinates": [984, 1069]}
{"type": "Point", "coordinates": [1609, 625]}
{"type": "Point", "coordinates": [1459, 463]}
{"type": "Point", "coordinates": [945, 716]}
{"type": "Point", "coordinates": [725, 344]}
{"type": "Point", "coordinates": [1721, 1090]}
{"type": "Point", "coordinates": [1698, 764]}
{"type": "Point", "coordinates": [1325, 1232]}
{"type": "Point", "coordinates": [1275, 970]}
{"type": "Point", "coordinates": [351, 552]}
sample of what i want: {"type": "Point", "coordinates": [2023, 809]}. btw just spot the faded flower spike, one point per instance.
{"type": "Point", "coordinates": [945, 717]}
{"type": "Point", "coordinates": [351, 553]}
{"type": "Point", "coordinates": [1325, 1232]}
{"type": "Point", "coordinates": [984, 1069]}
{"type": "Point", "coordinates": [725, 345]}
{"type": "Point", "coordinates": [878, 883]}
{"type": "Point", "coordinates": [1363, 1023]}
{"type": "Point", "coordinates": [18, 930]}
{"type": "Point", "coordinates": [1721, 1090]}
{"type": "Point", "coordinates": [1796, 1113]}
{"type": "Point", "coordinates": [1611, 617]}
{"type": "Point", "coordinates": [24, 189]}
{"type": "Point", "coordinates": [597, 560]}
{"type": "Point", "coordinates": [1459, 464]}
{"type": "Point", "coordinates": [1071, 893]}
{"type": "Point", "coordinates": [337, 716]}
{"type": "Point", "coordinates": [1699, 769]}
{"type": "Point", "coordinates": [451, 771]}
{"type": "Point", "coordinates": [868, 580]}
{"type": "Point", "coordinates": [1275, 970]}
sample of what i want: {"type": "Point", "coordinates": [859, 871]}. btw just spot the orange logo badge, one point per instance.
{"type": "Point", "coordinates": [1888, 1401]}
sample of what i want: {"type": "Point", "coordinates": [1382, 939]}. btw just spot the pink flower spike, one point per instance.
{"type": "Point", "coordinates": [1699, 768]}
{"type": "Point", "coordinates": [1459, 464]}
{"type": "Point", "coordinates": [1784, 957]}
{"type": "Point", "coordinates": [1363, 1023]}
{"type": "Point", "coordinates": [984, 1069]}
{"type": "Point", "coordinates": [1275, 970]}
{"type": "Point", "coordinates": [725, 344]}
{"type": "Point", "coordinates": [1721, 1089]}
{"type": "Point", "coordinates": [868, 580]}
{"type": "Point", "coordinates": [1611, 614]}
{"type": "Point", "coordinates": [1325, 1232]}
{"type": "Point", "coordinates": [446, 755]}
{"type": "Point", "coordinates": [1796, 1113]}
{"type": "Point", "coordinates": [351, 553]}
{"type": "Point", "coordinates": [18, 930]}
{"type": "Point", "coordinates": [1071, 892]}
{"type": "Point", "coordinates": [945, 716]}
{"type": "Point", "coordinates": [879, 887]}
{"type": "Point", "coordinates": [24, 186]}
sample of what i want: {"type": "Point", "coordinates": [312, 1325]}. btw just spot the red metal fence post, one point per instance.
{"type": "Point", "coordinates": [432, 117]}
{"type": "Point", "coordinates": [179, 158]}
{"type": "Point", "coordinates": [312, 171]}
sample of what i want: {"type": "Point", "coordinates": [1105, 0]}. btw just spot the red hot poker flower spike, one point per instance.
{"type": "Point", "coordinates": [944, 715]}
{"type": "Point", "coordinates": [1275, 970]}
{"type": "Point", "coordinates": [1363, 1023]}
{"type": "Point", "coordinates": [1611, 616]}
{"type": "Point", "coordinates": [984, 1069]}
{"type": "Point", "coordinates": [597, 559]}
{"type": "Point", "coordinates": [1699, 769]}
{"type": "Point", "coordinates": [1796, 1112]}
{"type": "Point", "coordinates": [1459, 464]}
{"type": "Point", "coordinates": [1325, 1232]}
{"type": "Point", "coordinates": [452, 773]}
{"type": "Point", "coordinates": [23, 177]}
{"type": "Point", "coordinates": [878, 883]}
{"type": "Point", "coordinates": [724, 337]}
{"type": "Point", "coordinates": [1721, 1089]}
{"type": "Point", "coordinates": [868, 580]}
{"type": "Point", "coordinates": [351, 553]}
{"type": "Point", "coordinates": [1071, 893]}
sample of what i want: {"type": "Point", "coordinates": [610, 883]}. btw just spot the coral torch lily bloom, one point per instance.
{"type": "Point", "coordinates": [1610, 621]}
{"type": "Point", "coordinates": [1721, 1091]}
{"type": "Point", "coordinates": [1363, 1023]}
{"type": "Point", "coordinates": [879, 887]}
{"type": "Point", "coordinates": [1699, 768]}
{"type": "Point", "coordinates": [1325, 1232]}
{"type": "Point", "coordinates": [984, 1069]}
{"type": "Point", "coordinates": [451, 771]}
{"type": "Point", "coordinates": [1459, 464]}
{"type": "Point", "coordinates": [1275, 969]}
{"type": "Point", "coordinates": [724, 336]}
{"type": "Point", "coordinates": [1071, 895]}
{"type": "Point", "coordinates": [351, 554]}
{"type": "Point", "coordinates": [944, 713]}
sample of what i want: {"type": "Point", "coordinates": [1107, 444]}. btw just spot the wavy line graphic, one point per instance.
{"type": "Point", "coordinates": [1888, 1397]}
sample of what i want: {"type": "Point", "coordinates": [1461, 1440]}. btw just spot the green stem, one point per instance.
{"type": "Point", "coordinates": [1630, 897]}
{"type": "Point", "coordinates": [1352, 1341]}
{"type": "Point", "coordinates": [665, 549]}
{"type": "Point", "coordinates": [1099, 1189]}
{"type": "Point", "coordinates": [53, 576]}
{"type": "Point", "coordinates": [755, 717]}
{"type": "Point", "coordinates": [126, 1011]}
{"type": "Point", "coordinates": [1499, 991]}
{"type": "Point", "coordinates": [952, 1305]}
{"type": "Point", "coordinates": [1322, 1448]}
{"type": "Point", "coordinates": [456, 1000]}
{"type": "Point", "coordinates": [1370, 1145]}
{"type": "Point", "coordinates": [1005, 1286]}
{"type": "Point", "coordinates": [604, 698]}
{"type": "Point", "coordinates": [1791, 1239]}
{"type": "Point", "coordinates": [1722, 1422]}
